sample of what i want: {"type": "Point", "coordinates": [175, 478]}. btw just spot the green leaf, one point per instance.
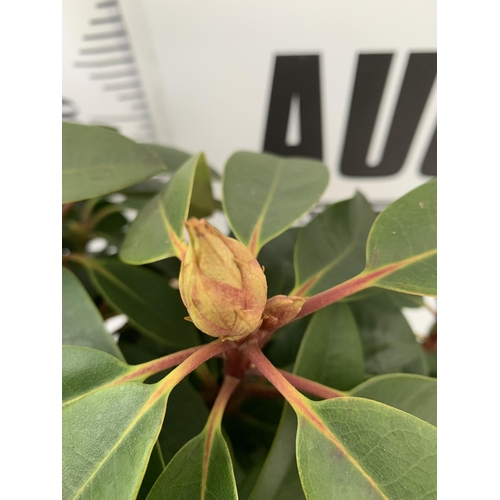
{"type": "Point", "coordinates": [112, 229]}
{"type": "Point", "coordinates": [146, 298]}
{"type": "Point", "coordinates": [82, 323]}
{"type": "Point", "coordinates": [331, 354]}
{"type": "Point", "coordinates": [331, 351]}
{"type": "Point", "coordinates": [332, 247]}
{"type": "Point", "coordinates": [404, 299]}
{"type": "Point", "coordinates": [350, 448]}
{"type": "Point", "coordinates": [107, 440]}
{"type": "Point", "coordinates": [403, 237]}
{"type": "Point", "coordinates": [156, 466]}
{"type": "Point", "coordinates": [84, 370]}
{"type": "Point", "coordinates": [274, 191]}
{"type": "Point", "coordinates": [389, 344]}
{"type": "Point", "coordinates": [410, 393]}
{"type": "Point", "coordinates": [175, 158]}
{"type": "Point", "coordinates": [158, 230]}
{"type": "Point", "coordinates": [431, 363]}
{"type": "Point", "coordinates": [202, 201]}
{"type": "Point", "coordinates": [97, 161]}
{"type": "Point", "coordinates": [280, 467]}
{"type": "Point", "coordinates": [172, 157]}
{"type": "Point", "coordinates": [185, 419]}
{"type": "Point", "coordinates": [277, 259]}
{"type": "Point", "coordinates": [201, 469]}
{"type": "Point", "coordinates": [146, 188]}
{"type": "Point", "coordinates": [284, 344]}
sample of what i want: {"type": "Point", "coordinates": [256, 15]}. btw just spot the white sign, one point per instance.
{"type": "Point", "coordinates": [100, 83]}
{"type": "Point", "coordinates": [352, 83]}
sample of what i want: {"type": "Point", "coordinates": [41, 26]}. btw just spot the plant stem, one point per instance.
{"type": "Point", "coordinates": [102, 214]}
{"type": "Point", "coordinates": [306, 385]}
{"type": "Point", "coordinates": [201, 355]}
{"type": "Point", "coordinates": [87, 210]}
{"type": "Point", "coordinates": [255, 355]}
{"type": "Point", "coordinates": [349, 287]}
{"type": "Point", "coordinates": [228, 386]}
{"type": "Point", "coordinates": [79, 258]}
{"type": "Point", "coordinates": [145, 370]}
{"type": "Point", "coordinates": [311, 387]}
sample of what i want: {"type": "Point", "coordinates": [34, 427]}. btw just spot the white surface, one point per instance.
{"type": "Point", "coordinates": [210, 66]}
{"type": "Point", "coordinates": [99, 74]}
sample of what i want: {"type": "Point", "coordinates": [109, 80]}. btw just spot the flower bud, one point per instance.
{"type": "Point", "coordinates": [221, 283]}
{"type": "Point", "coordinates": [280, 310]}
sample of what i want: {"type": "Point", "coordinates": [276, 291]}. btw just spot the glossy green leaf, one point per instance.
{"type": "Point", "coordinates": [82, 323]}
{"type": "Point", "coordinates": [97, 161]}
{"type": "Point", "coordinates": [156, 466]}
{"type": "Point", "coordinates": [175, 158]}
{"type": "Point", "coordinates": [158, 230]}
{"type": "Point", "coordinates": [138, 348]}
{"type": "Point", "coordinates": [186, 417]}
{"type": "Point", "coordinates": [202, 201]}
{"type": "Point", "coordinates": [201, 469]}
{"type": "Point", "coordinates": [277, 259]}
{"type": "Point", "coordinates": [331, 351]}
{"type": "Point", "coordinates": [108, 437]}
{"type": "Point", "coordinates": [404, 299]}
{"type": "Point", "coordinates": [431, 363]}
{"type": "Point", "coordinates": [389, 345]}
{"type": "Point", "coordinates": [112, 229]}
{"type": "Point", "coordinates": [332, 247]}
{"type": "Point", "coordinates": [354, 449]}
{"type": "Point", "coordinates": [280, 466]}
{"type": "Point", "coordinates": [403, 237]}
{"type": "Point", "coordinates": [149, 187]}
{"type": "Point", "coordinates": [411, 393]}
{"type": "Point", "coordinates": [146, 298]}
{"type": "Point", "coordinates": [172, 157]}
{"type": "Point", "coordinates": [84, 370]}
{"type": "Point", "coordinates": [284, 345]}
{"type": "Point", "coordinates": [274, 191]}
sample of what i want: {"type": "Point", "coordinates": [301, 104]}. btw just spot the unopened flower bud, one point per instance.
{"type": "Point", "coordinates": [221, 283]}
{"type": "Point", "coordinates": [280, 310]}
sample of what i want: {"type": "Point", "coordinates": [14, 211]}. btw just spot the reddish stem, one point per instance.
{"type": "Point", "coordinates": [228, 386]}
{"type": "Point", "coordinates": [332, 295]}
{"type": "Point", "coordinates": [296, 400]}
{"type": "Point", "coordinates": [145, 370]}
{"type": "Point", "coordinates": [312, 387]}
{"type": "Point", "coordinates": [236, 363]}
{"type": "Point", "coordinates": [201, 355]}
{"type": "Point", "coordinates": [306, 385]}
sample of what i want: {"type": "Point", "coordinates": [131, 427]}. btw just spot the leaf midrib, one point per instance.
{"type": "Point", "coordinates": [147, 406]}
{"type": "Point", "coordinates": [255, 235]}
{"type": "Point", "coordinates": [309, 414]}
{"type": "Point", "coordinates": [318, 275]}
{"type": "Point", "coordinates": [173, 237]}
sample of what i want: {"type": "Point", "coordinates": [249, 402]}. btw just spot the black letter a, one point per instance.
{"type": "Point", "coordinates": [295, 77]}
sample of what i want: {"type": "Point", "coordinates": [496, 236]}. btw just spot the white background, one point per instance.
{"type": "Point", "coordinates": [209, 67]}
{"type": "Point", "coordinates": [468, 250]}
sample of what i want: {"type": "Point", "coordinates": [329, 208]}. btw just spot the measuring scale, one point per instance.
{"type": "Point", "coordinates": [101, 83]}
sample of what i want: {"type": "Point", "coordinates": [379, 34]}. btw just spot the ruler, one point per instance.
{"type": "Point", "coordinates": [101, 81]}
